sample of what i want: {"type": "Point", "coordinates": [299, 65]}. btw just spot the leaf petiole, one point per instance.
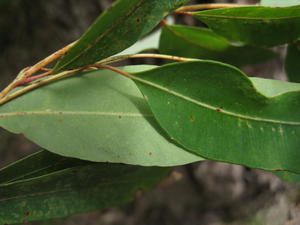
{"type": "Point", "coordinates": [101, 64]}
{"type": "Point", "coordinates": [183, 9]}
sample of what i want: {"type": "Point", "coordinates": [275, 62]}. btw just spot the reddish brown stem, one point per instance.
{"type": "Point", "coordinates": [31, 79]}
{"type": "Point", "coordinates": [183, 13]}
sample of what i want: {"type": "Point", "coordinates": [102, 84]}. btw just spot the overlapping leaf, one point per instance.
{"type": "Point", "coordinates": [116, 29]}
{"type": "Point", "coordinates": [292, 65]}
{"type": "Point", "coordinates": [70, 190]}
{"type": "Point", "coordinates": [97, 116]}
{"type": "Point", "coordinates": [203, 43]}
{"type": "Point", "coordinates": [256, 25]}
{"type": "Point", "coordinates": [214, 110]}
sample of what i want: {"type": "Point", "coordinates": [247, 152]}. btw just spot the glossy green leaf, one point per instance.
{"type": "Point", "coordinates": [281, 3]}
{"type": "Point", "coordinates": [36, 164]}
{"type": "Point", "coordinates": [255, 25]}
{"type": "Point", "coordinates": [288, 177]}
{"type": "Point", "coordinates": [97, 116]}
{"type": "Point", "coordinates": [292, 65]}
{"type": "Point", "coordinates": [74, 190]}
{"type": "Point", "coordinates": [214, 110]}
{"type": "Point", "coordinates": [193, 42]}
{"type": "Point", "coordinates": [116, 29]}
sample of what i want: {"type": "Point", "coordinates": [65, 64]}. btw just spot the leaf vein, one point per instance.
{"type": "Point", "coordinates": [75, 113]}
{"type": "Point", "coordinates": [202, 104]}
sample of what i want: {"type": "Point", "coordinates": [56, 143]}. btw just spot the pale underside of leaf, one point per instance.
{"type": "Point", "coordinates": [97, 116]}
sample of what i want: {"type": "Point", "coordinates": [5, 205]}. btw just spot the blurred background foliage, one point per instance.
{"type": "Point", "coordinates": [205, 193]}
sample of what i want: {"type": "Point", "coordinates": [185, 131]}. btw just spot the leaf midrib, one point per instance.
{"type": "Point", "coordinates": [246, 18]}
{"type": "Point", "coordinates": [216, 109]}
{"type": "Point", "coordinates": [74, 113]}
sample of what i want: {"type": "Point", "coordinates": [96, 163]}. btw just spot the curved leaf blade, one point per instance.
{"type": "Point", "coordinates": [292, 65]}
{"type": "Point", "coordinates": [213, 110]}
{"type": "Point", "coordinates": [255, 25]}
{"type": "Point", "coordinates": [202, 43]}
{"type": "Point", "coordinates": [74, 190]}
{"type": "Point", "coordinates": [97, 116]}
{"type": "Point", "coordinates": [115, 30]}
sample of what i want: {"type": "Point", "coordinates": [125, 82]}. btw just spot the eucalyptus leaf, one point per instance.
{"type": "Point", "coordinates": [203, 43]}
{"type": "Point", "coordinates": [98, 116]}
{"type": "Point", "coordinates": [292, 65]}
{"type": "Point", "coordinates": [116, 29]}
{"type": "Point", "coordinates": [36, 164]}
{"type": "Point", "coordinates": [74, 190]}
{"type": "Point", "coordinates": [215, 111]}
{"type": "Point", "coordinates": [255, 25]}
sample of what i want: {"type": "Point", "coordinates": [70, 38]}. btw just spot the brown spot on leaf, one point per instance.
{"type": "Point", "coordinates": [192, 118]}
{"type": "Point", "coordinates": [138, 20]}
{"type": "Point", "coordinates": [26, 213]}
{"type": "Point", "coordinates": [278, 169]}
{"type": "Point", "coordinates": [219, 109]}
{"type": "Point", "coordinates": [150, 153]}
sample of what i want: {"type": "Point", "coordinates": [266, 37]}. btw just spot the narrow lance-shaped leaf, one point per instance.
{"type": "Point", "coordinates": [98, 116]}
{"type": "Point", "coordinates": [213, 110]}
{"type": "Point", "coordinates": [194, 42]}
{"type": "Point", "coordinates": [116, 29]}
{"type": "Point", "coordinates": [292, 62]}
{"type": "Point", "coordinates": [79, 189]}
{"type": "Point", "coordinates": [255, 25]}
{"type": "Point", "coordinates": [37, 164]}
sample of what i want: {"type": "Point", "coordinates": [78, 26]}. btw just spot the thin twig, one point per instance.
{"type": "Point", "coordinates": [207, 6]}
{"type": "Point", "coordinates": [37, 84]}
{"type": "Point", "coordinates": [135, 56]}
{"type": "Point", "coordinates": [56, 55]}
{"type": "Point", "coordinates": [114, 69]}
{"type": "Point", "coordinates": [29, 71]}
{"type": "Point", "coordinates": [100, 64]}
{"type": "Point", "coordinates": [31, 79]}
